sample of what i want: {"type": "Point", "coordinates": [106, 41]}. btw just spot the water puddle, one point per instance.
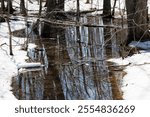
{"type": "Point", "coordinates": [75, 66]}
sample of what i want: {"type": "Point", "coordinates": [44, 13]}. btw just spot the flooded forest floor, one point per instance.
{"type": "Point", "coordinates": [75, 63]}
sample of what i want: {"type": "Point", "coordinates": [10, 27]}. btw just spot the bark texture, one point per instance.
{"type": "Point", "coordinates": [107, 8]}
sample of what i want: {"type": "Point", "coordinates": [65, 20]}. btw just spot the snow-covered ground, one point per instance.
{"type": "Point", "coordinates": [136, 83]}
{"type": "Point", "coordinates": [9, 65]}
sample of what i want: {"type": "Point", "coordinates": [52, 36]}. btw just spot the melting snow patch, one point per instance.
{"type": "Point", "coordinates": [30, 65]}
{"type": "Point", "coordinates": [136, 83]}
{"type": "Point", "coordinates": [141, 45]}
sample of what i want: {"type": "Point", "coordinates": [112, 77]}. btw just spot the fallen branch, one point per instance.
{"type": "Point", "coordinates": [74, 12]}
{"type": "Point", "coordinates": [71, 23]}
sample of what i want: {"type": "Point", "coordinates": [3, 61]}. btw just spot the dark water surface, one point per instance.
{"type": "Point", "coordinates": [75, 65]}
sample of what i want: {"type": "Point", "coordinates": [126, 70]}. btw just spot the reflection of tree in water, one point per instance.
{"type": "Point", "coordinates": [44, 83]}
{"type": "Point", "coordinates": [86, 77]}
{"type": "Point", "coordinates": [75, 67]}
{"type": "Point", "coordinates": [110, 38]}
{"type": "Point", "coordinates": [28, 85]}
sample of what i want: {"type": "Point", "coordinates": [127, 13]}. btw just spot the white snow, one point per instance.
{"type": "Point", "coordinates": [95, 4]}
{"type": "Point", "coordinates": [31, 6]}
{"type": "Point", "coordinates": [31, 46]}
{"type": "Point", "coordinates": [9, 64]}
{"type": "Point", "coordinates": [136, 83]}
{"type": "Point", "coordinates": [120, 9]}
{"type": "Point", "coordinates": [30, 65]}
{"type": "Point", "coordinates": [141, 45]}
{"type": "Point", "coordinates": [7, 70]}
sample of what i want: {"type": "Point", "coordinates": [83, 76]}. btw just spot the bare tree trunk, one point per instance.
{"type": "Point", "coordinates": [40, 7]}
{"type": "Point", "coordinates": [9, 7]}
{"type": "Point", "coordinates": [107, 8]}
{"type": "Point", "coordinates": [10, 37]}
{"type": "Point", "coordinates": [2, 11]}
{"type": "Point", "coordinates": [137, 14]}
{"type": "Point", "coordinates": [113, 11]}
{"type": "Point", "coordinates": [22, 7]}
{"type": "Point", "coordinates": [2, 6]}
{"type": "Point", "coordinates": [78, 10]}
{"type": "Point", "coordinates": [54, 5]}
{"type": "Point", "coordinates": [51, 6]}
{"type": "Point", "coordinates": [87, 1]}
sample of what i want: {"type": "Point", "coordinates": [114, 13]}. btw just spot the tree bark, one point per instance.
{"type": "Point", "coordinates": [9, 7]}
{"type": "Point", "coordinates": [10, 37]}
{"type": "Point", "coordinates": [107, 8]}
{"type": "Point", "coordinates": [52, 5]}
{"type": "Point", "coordinates": [78, 11]}
{"type": "Point", "coordinates": [137, 15]}
{"type": "Point", "coordinates": [87, 1]}
{"type": "Point", "coordinates": [113, 11]}
{"type": "Point", "coordinates": [22, 7]}
{"type": "Point", "coordinates": [2, 6]}
{"type": "Point", "coordinates": [40, 8]}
